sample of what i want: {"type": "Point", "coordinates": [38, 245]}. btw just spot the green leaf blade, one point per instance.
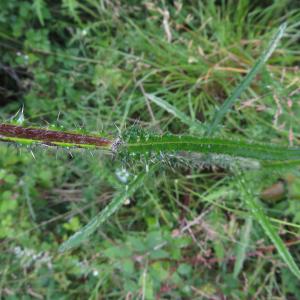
{"type": "Point", "coordinates": [242, 247]}
{"type": "Point", "coordinates": [220, 113]}
{"type": "Point", "coordinates": [76, 239]}
{"type": "Point", "coordinates": [169, 143]}
{"type": "Point", "coordinates": [175, 112]}
{"type": "Point", "coordinates": [268, 228]}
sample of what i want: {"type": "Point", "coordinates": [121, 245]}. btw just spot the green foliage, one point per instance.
{"type": "Point", "coordinates": [194, 125]}
{"type": "Point", "coordinates": [167, 143]}
{"type": "Point", "coordinates": [242, 246]}
{"type": "Point", "coordinates": [260, 216]}
{"type": "Point", "coordinates": [39, 6]}
{"type": "Point", "coordinates": [96, 66]}
{"type": "Point", "coordinates": [219, 115]}
{"type": "Point", "coordinates": [110, 209]}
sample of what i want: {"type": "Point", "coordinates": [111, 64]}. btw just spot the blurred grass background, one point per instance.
{"type": "Point", "coordinates": [87, 64]}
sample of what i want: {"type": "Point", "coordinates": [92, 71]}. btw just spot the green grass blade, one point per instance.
{"type": "Point", "coordinates": [169, 143]}
{"type": "Point", "coordinates": [270, 231]}
{"type": "Point", "coordinates": [220, 113]}
{"type": "Point", "coordinates": [76, 239]}
{"type": "Point", "coordinates": [280, 165]}
{"type": "Point", "coordinates": [242, 247]}
{"type": "Point", "coordinates": [175, 112]}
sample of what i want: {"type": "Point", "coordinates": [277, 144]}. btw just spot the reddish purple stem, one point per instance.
{"type": "Point", "coordinates": [51, 136]}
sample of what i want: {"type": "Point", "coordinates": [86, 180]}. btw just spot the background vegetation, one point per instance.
{"type": "Point", "coordinates": [187, 233]}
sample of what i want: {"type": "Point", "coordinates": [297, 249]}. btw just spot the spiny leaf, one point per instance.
{"type": "Point", "coordinates": [220, 113]}
{"type": "Point", "coordinates": [264, 221]}
{"type": "Point", "coordinates": [76, 239]}
{"type": "Point", "coordinates": [167, 143]}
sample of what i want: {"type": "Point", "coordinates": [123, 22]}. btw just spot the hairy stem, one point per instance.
{"type": "Point", "coordinates": [143, 144]}
{"type": "Point", "coordinates": [30, 135]}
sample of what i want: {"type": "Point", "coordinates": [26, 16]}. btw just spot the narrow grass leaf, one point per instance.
{"type": "Point", "coordinates": [76, 239]}
{"type": "Point", "coordinates": [242, 247]}
{"type": "Point", "coordinates": [220, 113]}
{"type": "Point", "coordinates": [38, 6]}
{"type": "Point", "coordinates": [175, 112]}
{"type": "Point", "coordinates": [280, 165]}
{"type": "Point", "coordinates": [270, 231]}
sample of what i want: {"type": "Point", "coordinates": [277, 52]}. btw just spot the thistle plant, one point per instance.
{"type": "Point", "coordinates": [134, 143]}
